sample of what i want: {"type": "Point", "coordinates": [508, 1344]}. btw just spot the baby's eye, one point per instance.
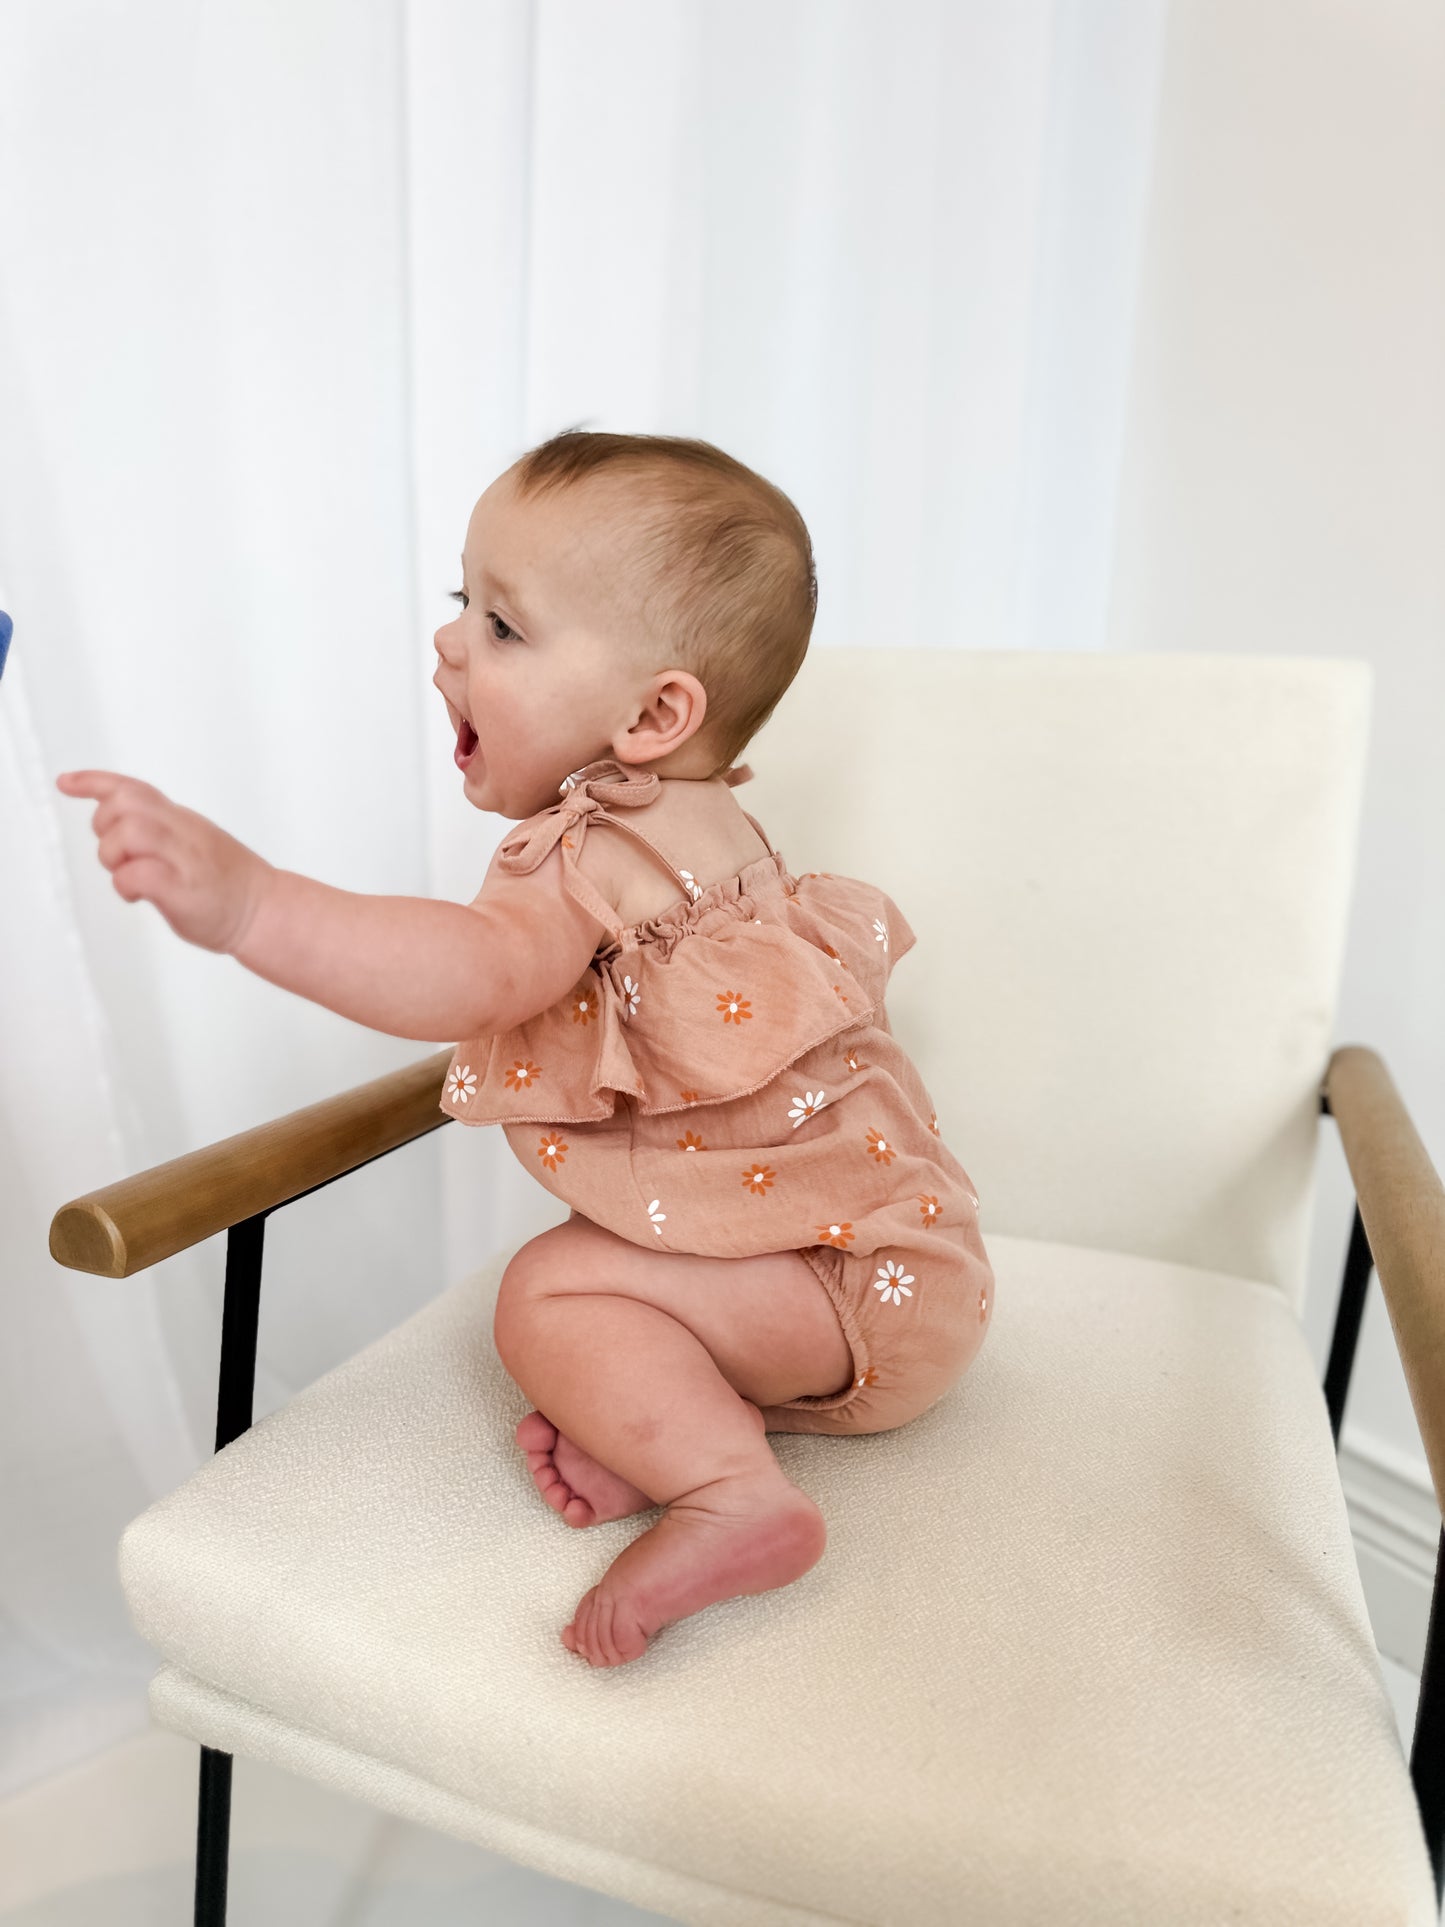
{"type": "Point", "coordinates": [460, 595]}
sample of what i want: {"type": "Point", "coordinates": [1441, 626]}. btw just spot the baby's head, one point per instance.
{"type": "Point", "coordinates": [644, 597]}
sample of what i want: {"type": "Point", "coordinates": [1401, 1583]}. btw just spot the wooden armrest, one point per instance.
{"type": "Point", "coordinates": [125, 1227]}
{"type": "Point", "coordinates": [1402, 1207]}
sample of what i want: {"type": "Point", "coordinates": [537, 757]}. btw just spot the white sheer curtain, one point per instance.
{"type": "Point", "coordinates": [284, 287]}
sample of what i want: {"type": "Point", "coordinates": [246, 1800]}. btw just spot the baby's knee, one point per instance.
{"type": "Point", "coordinates": [519, 1289]}
{"type": "Point", "coordinates": [564, 1258]}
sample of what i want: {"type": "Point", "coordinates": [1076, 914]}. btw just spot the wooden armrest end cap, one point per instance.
{"type": "Point", "coordinates": [83, 1238]}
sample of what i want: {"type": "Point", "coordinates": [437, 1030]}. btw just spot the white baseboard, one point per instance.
{"type": "Point", "coordinates": [1395, 1525]}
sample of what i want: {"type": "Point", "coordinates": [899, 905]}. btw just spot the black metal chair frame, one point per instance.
{"type": "Point", "coordinates": [233, 1416]}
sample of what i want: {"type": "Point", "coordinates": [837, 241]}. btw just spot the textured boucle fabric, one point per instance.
{"type": "Point", "coordinates": [1087, 1643]}
{"type": "Point", "coordinates": [1130, 878]}
{"type": "Point", "coordinates": [723, 1080]}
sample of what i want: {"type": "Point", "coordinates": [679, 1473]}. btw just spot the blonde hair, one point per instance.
{"type": "Point", "coordinates": [727, 587]}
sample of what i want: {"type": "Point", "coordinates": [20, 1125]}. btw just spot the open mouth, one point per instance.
{"type": "Point", "coordinates": [466, 743]}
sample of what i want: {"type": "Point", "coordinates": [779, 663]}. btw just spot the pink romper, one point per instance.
{"type": "Point", "coordinates": [723, 1080]}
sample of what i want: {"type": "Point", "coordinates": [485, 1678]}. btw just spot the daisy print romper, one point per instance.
{"type": "Point", "coordinates": [723, 1080]}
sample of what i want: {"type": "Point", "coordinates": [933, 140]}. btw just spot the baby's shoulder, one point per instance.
{"type": "Point", "coordinates": [682, 847]}
{"type": "Point", "coordinates": [542, 937]}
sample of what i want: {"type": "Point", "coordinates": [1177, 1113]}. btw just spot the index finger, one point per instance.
{"type": "Point", "coordinates": [88, 782]}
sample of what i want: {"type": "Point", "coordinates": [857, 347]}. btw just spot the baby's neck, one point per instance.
{"type": "Point", "coordinates": [696, 779]}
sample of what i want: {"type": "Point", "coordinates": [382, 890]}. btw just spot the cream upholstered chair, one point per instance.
{"type": "Point", "coordinates": [1088, 1643]}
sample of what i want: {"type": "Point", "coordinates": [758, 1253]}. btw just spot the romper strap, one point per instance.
{"type": "Point", "coordinates": [632, 830]}
{"type": "Point", "coordinates": [687, 888]}
{"type": "Point", "coordinates": [527, 848]}
{"type": "Point", "coordinates": [585, 795]}
{"type": "Point", "coordinates": [760, 830]}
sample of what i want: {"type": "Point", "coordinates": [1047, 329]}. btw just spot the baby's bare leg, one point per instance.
{"type": "Point", "coordinates": [653, 1363]}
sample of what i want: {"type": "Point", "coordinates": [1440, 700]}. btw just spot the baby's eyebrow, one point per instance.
{"type": "Point", "coordinates": [502, 588]}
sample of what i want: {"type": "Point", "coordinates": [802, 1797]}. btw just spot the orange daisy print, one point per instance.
{"type": "Point", "coordinates": [928, 1209]}
{"type": "Point", "coordinates": [758, 1180]}
{"type": "Point", "coordinates": [868, 1377]}
{"type": "Point", "coordinates": [850, 1058]}
{"type": "Point", "coordinates": [584, 1005]}
{"type": "Point", "coordinates": [836, 1234]}
{"type": "Point", "coordinates": [840, 993]}
{"type": "Point", "coordinates": [880, 1148]}
{"type": "Point", "coordinates": [522, 1075]}
{"type": "Point", "coordinates": [688, 1097]}
{"type": "Point", "coordinates": [552, 1149]}
{"type": "Point", "coordinates": [733, 1007]}
{"type": "Point", "coordinates": [690, 1141]}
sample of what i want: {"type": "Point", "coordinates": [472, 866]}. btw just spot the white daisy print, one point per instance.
{"type": "Point", "coordinates": [694, 888]}
{"type": "Point", "coordinates": [658, 1218]}
{"type": "Point", "coordinates": [806, 1107]}
{"type": "Point", "coordinates": [893, 1281]}
{"type": "Point", "coordinates": [461, 1083]}
{"type": "Point", "coordinates": [629, 997]}
{"type": "Point", "coordinates": [880, 931]}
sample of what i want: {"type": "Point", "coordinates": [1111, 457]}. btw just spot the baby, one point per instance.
{"type": "Point", "coordinates": [800, 1252]}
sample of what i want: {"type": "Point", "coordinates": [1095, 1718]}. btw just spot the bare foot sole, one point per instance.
{"type": "Point", "coordinates": [745, 1534]}
{"type": "Point", "coordinates": [583, 1490]}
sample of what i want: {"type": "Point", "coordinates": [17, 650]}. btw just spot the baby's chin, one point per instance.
{"type": "Point", "coordinates": [515, 804]}
{"type": "Point", "coordinates": [476, 787]}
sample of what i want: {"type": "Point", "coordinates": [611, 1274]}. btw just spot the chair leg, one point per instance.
{"type": "Point", "coordinates": [244, 1245]}
{"type": "Point", "coordinates": [1358, 1265]}
{"type": "Point", "coordinates": [213, 1838]}
{"type": "Point", "coordinates": [1427, 1746]}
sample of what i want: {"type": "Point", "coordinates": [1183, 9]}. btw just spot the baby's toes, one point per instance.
{"type": "Point", "coordinates": [549, 1481]}
{"type": "Point", "coordinates": [604, 1630]}
{"type": "Point", "coordinates": [574, 1637]}
{"type": "Point", "coordinates": [591, 1626]}
{"type": "Point", "coordinates": [536, 1433]}
{"type": "Point", "coordinates": [616, 1635]}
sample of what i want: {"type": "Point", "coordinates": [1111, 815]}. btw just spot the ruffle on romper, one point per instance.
{"type": "Point", "coordinates": [707, 1001]}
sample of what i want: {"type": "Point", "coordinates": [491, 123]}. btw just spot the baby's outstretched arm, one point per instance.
{"type": "Point", "coordinates": [410, 966]}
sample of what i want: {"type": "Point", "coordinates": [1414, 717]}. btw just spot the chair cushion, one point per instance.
{"type": "Point", "coordinates": [1087, 1644]}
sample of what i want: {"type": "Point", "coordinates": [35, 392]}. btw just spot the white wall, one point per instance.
{"type": "Point", "coordinates": [1283, 492]}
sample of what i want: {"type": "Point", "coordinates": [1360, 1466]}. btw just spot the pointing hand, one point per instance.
{"type": "Point", "coordinates": [204, 883]}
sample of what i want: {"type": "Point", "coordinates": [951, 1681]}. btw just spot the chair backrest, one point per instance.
{"type": "Point", "coordinates": [1130, 879]}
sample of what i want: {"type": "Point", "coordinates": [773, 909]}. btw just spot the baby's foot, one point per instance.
{"type": "Point", "coordinates": [749, 1533]}
{"type": "Point", "coordinates": [572, 1482]}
